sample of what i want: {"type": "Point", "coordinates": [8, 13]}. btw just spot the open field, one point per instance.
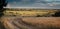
{"type": "Point", "coordinates": [27, 19]}
{"type": "Point", "coordinates": [31, 22]}
{"type": "Point", "coordinates": [30, 12]}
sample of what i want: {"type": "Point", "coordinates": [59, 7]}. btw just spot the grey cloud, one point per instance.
{"type": "Point", "coordinates": [36, 3]}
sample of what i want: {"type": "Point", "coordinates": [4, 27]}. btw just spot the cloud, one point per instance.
{"type": "Point", "coordinates": [8, 6]}
{"type": "Point", "coordinates": [35, 3]}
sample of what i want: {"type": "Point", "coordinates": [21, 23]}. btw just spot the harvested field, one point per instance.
{"type": "Point", "coordinates": [31, 22]}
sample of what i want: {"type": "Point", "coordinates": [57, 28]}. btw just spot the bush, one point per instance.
{"type": "Point", "coordinates": [57, 14]}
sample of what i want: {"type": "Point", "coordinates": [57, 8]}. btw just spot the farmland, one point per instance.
{"type": "Point", "coordinates": [30, 12]}
{"type": "Point", "coordinates": [13, 19]}
{"type": "Point", "coordinates": [31, 22]}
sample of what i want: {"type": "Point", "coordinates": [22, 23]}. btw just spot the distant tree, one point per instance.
{"type": "Point", "coordinates": [3, 3]}
{"type": "Point", "coordinates": [57, 14]}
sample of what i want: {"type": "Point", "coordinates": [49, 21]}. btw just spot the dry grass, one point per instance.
{"type": "Point", "coordinates": [43, 21]}
{"type": "Point", "coordinates": [32, 23]}
{"type": "Point", "coordinates": [30, 13]}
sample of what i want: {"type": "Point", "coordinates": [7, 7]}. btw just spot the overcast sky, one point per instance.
{"type": "Point", "coordinates": [51, 4]}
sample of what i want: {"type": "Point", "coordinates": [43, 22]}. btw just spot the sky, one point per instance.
{"type": "Point", "coordinates": [50, 4]}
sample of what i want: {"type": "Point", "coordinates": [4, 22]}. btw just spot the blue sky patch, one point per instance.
{"type": "Point", "coordinates": [34, 3]}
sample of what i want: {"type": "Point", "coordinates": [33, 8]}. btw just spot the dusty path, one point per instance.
{"type": "Point", "coordinates": [31, 22]}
